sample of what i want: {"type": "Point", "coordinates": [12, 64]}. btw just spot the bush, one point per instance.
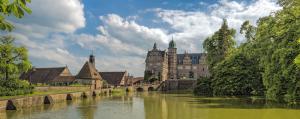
{"type": "Point", "coordinates": [14, 87]}
{"type": "Point", "coordinates": [203, 87]}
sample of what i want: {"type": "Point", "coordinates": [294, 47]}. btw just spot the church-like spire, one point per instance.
{"type": "Point", "coordinates": [154, 46]}
{"type": "Point", "coordinates": [172, 43]}
{"type": "Point", "coordinates": [92, 59]}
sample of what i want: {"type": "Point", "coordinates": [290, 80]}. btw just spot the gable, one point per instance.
{"type": "Point", "coordinates": [88, 71]}
{"type": "Point", "coordinates": [113, 78]}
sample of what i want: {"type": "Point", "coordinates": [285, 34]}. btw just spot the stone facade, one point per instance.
{"type": "Point", "coordinates": [165, 65]}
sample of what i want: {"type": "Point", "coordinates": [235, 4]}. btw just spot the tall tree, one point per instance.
{"type": "Point", "coordinates": [12, 7]}
{"type": "Point", "coordinates": [219, 45]}
{"type": "Point", "coordinates": [276, 39]}
{"type": "Point", "coordinates": [13, 59]}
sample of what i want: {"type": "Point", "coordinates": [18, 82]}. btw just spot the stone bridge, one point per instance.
{"type": "Point", "coordinates": [168, 85]}
{"type": "Point", "coordinates": [145, 87]}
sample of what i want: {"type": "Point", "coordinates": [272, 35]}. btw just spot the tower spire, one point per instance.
{"type": "Point", "coordinates": [92, 58]}
{"type": "Point", "coordinates": [155, 46]}
{"type": "Point", "coordinates": [172, 43]}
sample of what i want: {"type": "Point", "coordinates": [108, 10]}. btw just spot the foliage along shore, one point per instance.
{"type": "Point", "coordinates": [265, 65]}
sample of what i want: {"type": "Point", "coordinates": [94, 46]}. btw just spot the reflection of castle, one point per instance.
{"type": "Point", "coordinates": [168, 64]}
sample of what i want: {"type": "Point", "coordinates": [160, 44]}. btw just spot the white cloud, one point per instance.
{"type": "Point", "coordinates": [192, 27]}
{"type": "Point", "coordinates": [127, 41]}
{"type": "Point", "coordinates": [56, 16]}
{"type": "Point", "coordinates": [122, 43]}
{"type": "Point", "coordinates": [42, 31]}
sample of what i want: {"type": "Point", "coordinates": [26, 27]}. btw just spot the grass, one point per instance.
{"type": "Point", "coordinates": [39, 93]}
{"type": "Point", "coordinates": [118, 91]}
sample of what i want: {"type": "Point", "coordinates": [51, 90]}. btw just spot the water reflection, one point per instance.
{"type": "Point", "coordinates": [158, 106]}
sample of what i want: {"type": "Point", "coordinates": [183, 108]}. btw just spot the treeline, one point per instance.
{"type": "Point", "coordinates": [264, 65]}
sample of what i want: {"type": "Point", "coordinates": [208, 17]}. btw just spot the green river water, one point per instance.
{"type": "Point", "coordinates": [157, 106]}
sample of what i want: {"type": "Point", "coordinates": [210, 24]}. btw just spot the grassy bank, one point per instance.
{"type": "Point", "coordinates": [41, 92]}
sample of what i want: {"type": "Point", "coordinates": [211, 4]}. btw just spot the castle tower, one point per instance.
{"type": "Point", "coordinates": [172, 60]}
{"type": "Point", "coordinates": [92, 60]}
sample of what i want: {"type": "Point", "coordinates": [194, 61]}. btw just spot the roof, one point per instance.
{"type": "Point", "coordinates": [42, 75]}
{"type": "Point", "coordinates": [172, 44]}
{"type": "Point", "coordinates": [113, 78]}
{"type": "Point", "coordinates": [195, 57]}
{"type": "Point", "coordinates": [159, 52]}
{"type": "Point", "coordinates": [88, 71]}
{"type": "Point", "coordinates": [64, 79]}
{"type": "Point", "coordinates": [137, 80]}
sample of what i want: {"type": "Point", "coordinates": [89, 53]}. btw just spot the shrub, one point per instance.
{"type": "Point", "coordinates": [203, 87]}
{"type": "Point", "coordinates": [13, 87]}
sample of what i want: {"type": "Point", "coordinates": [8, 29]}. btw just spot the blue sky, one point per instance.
{"type": "Point", "coordinates": [120, 32]}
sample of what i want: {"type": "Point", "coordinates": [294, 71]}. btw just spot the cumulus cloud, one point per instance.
{"type": "Point", "coordinates": [122, 43]}
{"type": "Point", "coordinates": [192, 27]}
{"type": "Point", "coordinates": [126, 42]}
{"type": "Point", "coordinates": [42, 31]}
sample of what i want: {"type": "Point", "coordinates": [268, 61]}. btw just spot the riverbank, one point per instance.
{"type": "Point", "coordinates": [47, 90]}
{"type": "Point", "coordinates": [50, 95]}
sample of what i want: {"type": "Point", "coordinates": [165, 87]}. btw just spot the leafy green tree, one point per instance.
{"type": "Point", "coordinates": [237, 75]}
{"type": "Point", "coordinates": [276, 39]}
{"type": "Point", "coordinates": [219, 45]}
{"type": "Point", "coordinates": [297, 60]}
{"type": "Point", "coordinates": [13, 60]}
{"type": "Point", "coordinates": [12, 7]}
{"type": "Point", "coordinates": [249, 30]}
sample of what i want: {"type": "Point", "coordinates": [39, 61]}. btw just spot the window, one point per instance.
{"type": "Point", "coordinates": [191, 74]}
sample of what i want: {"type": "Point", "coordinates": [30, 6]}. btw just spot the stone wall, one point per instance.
{"type": "Point", "coordinates": [173, 85]}
{"type": "Point", "coordinates": [19, 103]}
{"type": "Point", "coordinates": [65, 88]}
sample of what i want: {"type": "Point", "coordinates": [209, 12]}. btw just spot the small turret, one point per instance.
{"type": "Point", "coordinates": [92, 59]}
{"type": "Point", "coordinates": [154, 46]}
{"type": "Point", "coordinates": [172, 44]}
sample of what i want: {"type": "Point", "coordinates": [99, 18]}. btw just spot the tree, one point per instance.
{"type": "Point", "coordinates": [237, 75]}
{"type": "Point", "coordinates": [219, 45]}
{"type": "Point", "coordinates": [249, 30]}
{"type": "Point", "coordinates": [12, 7]}
{"type": "Point", "coordinates": [13, 60]}
{"type": "Point", "coordinates": [297, 59]}
{"type": "Point", "coordinates": [276, 41]}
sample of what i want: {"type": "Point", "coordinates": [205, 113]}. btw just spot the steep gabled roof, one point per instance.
{"type": "Point", "coordinates": [63, 79]}
{"type": "Point", "coordinates": [113, 78]}
{"type": "Point", "coordinates": [42, 75]}
{"type": "Point", "coordinates": [88, 71]}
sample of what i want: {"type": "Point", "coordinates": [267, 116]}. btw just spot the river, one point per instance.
{"type": "Point", "coordinates": [157, 106]}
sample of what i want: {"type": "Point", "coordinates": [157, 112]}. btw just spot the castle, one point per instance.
{"type": "Point", "coordinates": [167, 64]}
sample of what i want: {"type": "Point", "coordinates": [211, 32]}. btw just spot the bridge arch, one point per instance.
{"type": "Point", "coordinates": [140, 89]}
{"type": "Point", "coordinates": [10, 105]}
{"type": "Point", "coordinates": [150, 88]}
{"type": "Point", "coordinates": [48, 99]}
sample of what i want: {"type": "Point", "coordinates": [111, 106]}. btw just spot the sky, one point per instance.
{"type": "Point", "coordinates": [120, 32]}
